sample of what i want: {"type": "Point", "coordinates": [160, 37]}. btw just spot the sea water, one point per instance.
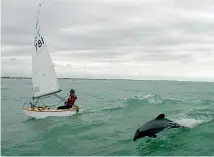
{"type": "Point", "coordinates": [112, 112]}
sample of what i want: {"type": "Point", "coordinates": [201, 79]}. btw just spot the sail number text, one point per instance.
{"type": "Point", "coordinates": [39, 43]}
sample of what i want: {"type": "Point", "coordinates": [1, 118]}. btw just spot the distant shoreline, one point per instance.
{"type": "Point", "coordinates": [7, 77]}
{"type": "Point", "coordinates": [67, 78]}
{"type": "Point", "coordinates": [62, 78]}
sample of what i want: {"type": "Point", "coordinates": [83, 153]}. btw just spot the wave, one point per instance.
{"type": "Point", "coordinates": [112, 108]}
{"type": "Point", "coordinates": [150, 98]}
{"type": "Point", "coordinates": [156, 99]}
{"type": "Point", "coordinates": [205, 102]}
{"type": "Point", "coordinates": [98, 109]}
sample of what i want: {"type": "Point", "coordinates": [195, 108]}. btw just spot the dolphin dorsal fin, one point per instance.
{"type": "Point", "coordinates": [161, 116]}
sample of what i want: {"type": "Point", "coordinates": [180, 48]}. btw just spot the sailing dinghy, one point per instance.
{"type": "Point", "coordinates": [44, 81]}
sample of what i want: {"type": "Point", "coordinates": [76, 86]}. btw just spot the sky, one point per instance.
{"type": "Point", "coordinates": [122, 39]}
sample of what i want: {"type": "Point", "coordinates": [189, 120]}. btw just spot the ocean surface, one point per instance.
{"type": "Point", "coordinates": [113, 111]}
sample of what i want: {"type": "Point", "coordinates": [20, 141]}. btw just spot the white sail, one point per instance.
{"type": "Point", "coordinates": [44, 77]}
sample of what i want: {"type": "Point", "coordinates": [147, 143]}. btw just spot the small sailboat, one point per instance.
{"type": "Point", "coordinates": [44, 81]}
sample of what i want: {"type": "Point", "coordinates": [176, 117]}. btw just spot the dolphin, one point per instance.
{"type": "Point", "coordinates": [155, 126]}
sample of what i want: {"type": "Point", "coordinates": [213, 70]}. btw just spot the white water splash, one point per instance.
{"type": "Point", "coordinates": [191, 122]}
{"type": "Point", "coordinates": [151, 98]}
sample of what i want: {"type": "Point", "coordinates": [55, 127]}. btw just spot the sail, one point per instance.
{"type": "Point", "coordinates": [44, 77]}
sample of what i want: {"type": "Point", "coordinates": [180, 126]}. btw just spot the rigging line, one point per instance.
{"type": "Point", "coordinates": [62, 100]}
{"type": "Point", "coordinates": [42, 101]}
{"type": "Point", "coordinates": [59, 97]}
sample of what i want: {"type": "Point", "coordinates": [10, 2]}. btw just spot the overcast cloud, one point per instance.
{"type": "Point", "coordinates": [135, 39]}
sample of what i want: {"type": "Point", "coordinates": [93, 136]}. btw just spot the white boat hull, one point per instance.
{"type": "Point", "coordinates": [49, 113]}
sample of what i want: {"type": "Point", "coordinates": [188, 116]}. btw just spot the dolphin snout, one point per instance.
{"type": "Point", "coordinates": [136, 135]}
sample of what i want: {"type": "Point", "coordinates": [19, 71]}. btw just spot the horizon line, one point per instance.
{"type": "Point", "coordinates": [24, 77]}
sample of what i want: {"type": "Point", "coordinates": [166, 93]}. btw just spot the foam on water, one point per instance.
{"type": "Point", "coordinates": [187, 122]}
{"type": "Point", "coordinates": [191, 122]}
{"type": "Point", "coordinates": [150, 98]}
